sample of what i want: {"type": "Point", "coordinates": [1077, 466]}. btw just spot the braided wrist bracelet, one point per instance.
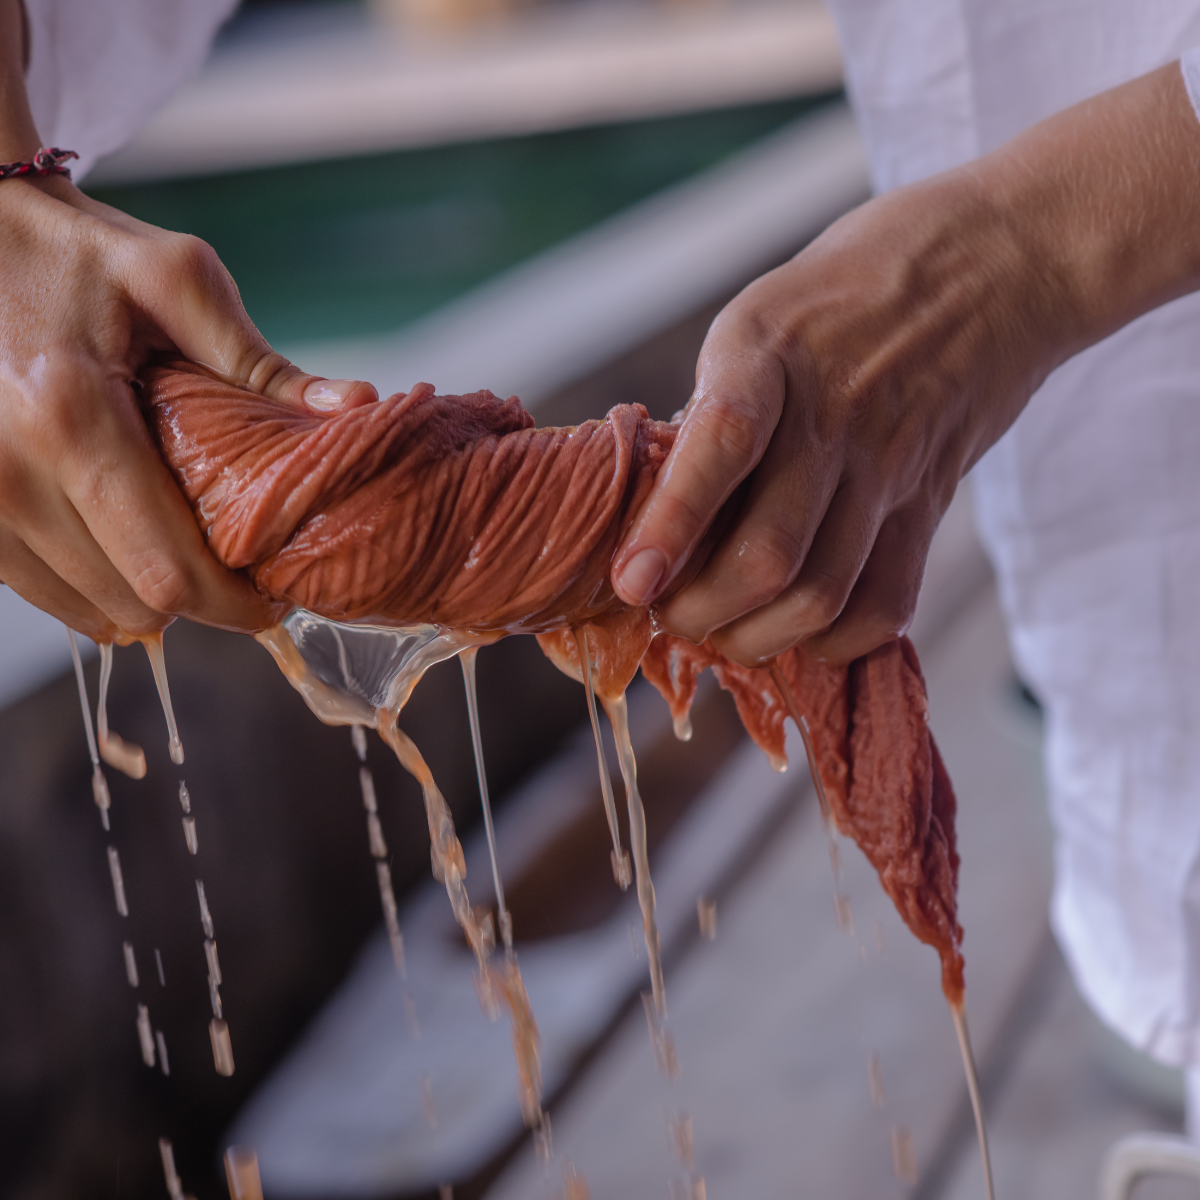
{"type": "Point", "coordinates": [47, 161]}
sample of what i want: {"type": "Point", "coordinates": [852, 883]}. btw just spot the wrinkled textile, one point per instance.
{"type": "Point", "coordinates": [883, 777]}
{"type": "Point", "coordinates": [456, 511]}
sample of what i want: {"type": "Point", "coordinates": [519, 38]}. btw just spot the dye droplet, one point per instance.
{"type": "Point", "coordinates": [115, 751]}
{"type": "Point", "coordinates": [222, 1047]}
{"type": "Point", "coordinates": [100, 794]}
{"type": "Point", "coordinates": [131, 972]}
{"type": "Point", "coordinates": [367, 783]}
{"type": "Point", "coordinates": [205, 916]}
{"type": "Point", "coordinates": [427, 1109]}
{"type": "Point", "coordinates": [680, 1130]}
{"type": "Point", "coordinates": [145, 1035]}
{"type": "Point", "coordinates": [543, 1140]}
{"type": "Point", "coordinates": [214, 997]}
{"type": "Point", "coordinates": [161, 1043]}
{"type": "Point", "coordinates": [391, 918]}
{"type": "Point", "coordinates": [574, 1185]}
{"type": "Point", "coordinates": [241, 1173]}
{"type": "Point", "coordinates": [210, 955]}
{"type": "Point", "coordinates": [620, 860]}
{"type": "Point", "coordinates": [189, 834]}
{"type": "Point", "coordinates": [706, 913]}
{"type": "Point", "coordinates": [154, 651]}
{"type": "Point", "coordinates": [174, 1186]}
{"type": "Point", "coordinates": [359, 737]}
{"type": "Point", "coordinates": [375, 837]}
{"type": "Point", "coordinates": [118, 881]}
{"type": "Point", "coordinates": [467, 660]}
{"type": "Point", "coordinates": [83, 698]}
{"type": "Point", "coordinates": [162, 979]}
{"type": "Point", "coordinates": [185, 797]}
{"type": "Point", "coordinates": [666, 1059]}
{"type": "Point", "coordinates": [904, 1157]}
{"type": "Point", "coordinates": [875, 1080]}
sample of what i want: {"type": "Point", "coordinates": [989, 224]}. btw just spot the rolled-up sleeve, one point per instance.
{"type": "Point", "coordinates": [99, 69]}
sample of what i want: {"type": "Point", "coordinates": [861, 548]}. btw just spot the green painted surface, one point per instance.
{"type": "Point", "coordinates": [365, 245]}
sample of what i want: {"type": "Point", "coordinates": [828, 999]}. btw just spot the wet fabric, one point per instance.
{"type": "Point", "coordinates": [457, 511]}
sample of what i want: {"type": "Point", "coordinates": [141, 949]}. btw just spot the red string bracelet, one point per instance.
{"type": "Point", "coordinates": [47, 161]}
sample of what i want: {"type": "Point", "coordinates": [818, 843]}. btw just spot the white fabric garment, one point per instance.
{"type": "Point", "coordinates": [98, 69]}
{"type": "Point", "coordinates": [1090, 505]}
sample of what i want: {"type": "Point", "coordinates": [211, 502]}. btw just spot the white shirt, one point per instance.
{"type": "Point", "coordinates": [1090, 505]}
{"type": "Point", "coordinates": [99, 68]}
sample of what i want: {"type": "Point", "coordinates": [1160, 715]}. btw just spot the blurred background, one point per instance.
{"type": "Point", "coordinates": [551, 198]}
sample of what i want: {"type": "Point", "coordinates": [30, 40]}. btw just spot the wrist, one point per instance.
{"type": "Point", "coordinates": [1102, 199]}
{"type": "Point", "coordinates": [18, 135]}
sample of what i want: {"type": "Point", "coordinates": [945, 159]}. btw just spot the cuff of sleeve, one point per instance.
{"type": "Point", "coordinates": [1189, 64]}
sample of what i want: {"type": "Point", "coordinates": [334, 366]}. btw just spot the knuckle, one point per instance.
{"type": "Point", "coordinates": [823, 597]}
{"type": "Point", "coordinates": [192, 257]}
{"type": "Point", "coordinates": [733, 424]}
{"type": "Point", "coordinates": [166, 586]}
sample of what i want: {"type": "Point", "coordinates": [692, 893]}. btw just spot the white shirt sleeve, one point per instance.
{"type": "Point", "coordinates": [1190, 65]}
{"type": "Point", "coordinates": [98, 69]}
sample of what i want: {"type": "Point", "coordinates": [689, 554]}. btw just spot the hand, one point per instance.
{"type": "Point", "coordinates": [840, 398]}
{"type": "Point", "coordinates": [92, 527]}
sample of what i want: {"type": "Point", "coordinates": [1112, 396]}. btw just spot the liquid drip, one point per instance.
{"type": "Point", "coordinates": [158, 664]}
{"type": "Point", "coordinates": [359, 738]}
{"type": "Point", "coordinates": [189, 834]}
{"type": "Point", "coordinates": [391, 917]}
{"type": "Point", "coordinates": [661, 1042]}
{"type": "Point", "coordinates": [115, 751]}
{"type": "Point", "coordinates": [467, 659]}
{"type": "Point", "coordinates": [99, 783]}
{"type": "Point", "coordinates": [904, 1156]}
{"type": "Point", "coordinates": [964, 1045]}
{"type": "Point", "coordinates": [574, 1185]}
{"type": "Point", "coordinates": [185, 797]}
{"type": "Point", "coordinates": [375, 837]}
{"type": "Point", "coordinates": [682, 1143]}
{"type": "Point", "coordinates": [118, 881]}
{"type": "Point", "coordinates": [214, 997]}
{"type": "Point", "coordinates": [498, 985]}
{"type": "Point", "coordinates": [222, 1047]}
{"type": "Point", "coordinates": [706, 915]}
{"type": "Point", "coordinates": [161, 1043]}
{"type": "Point", "coordinates": [618, 714]}
{"type": "Point", "coordinates": [205, 916]}
{"type": "Point", "coordinates": [620, 860]}
{"type": "Point", "coordinates": [162, 979]}
{"type": "Point", "coordinates": [210, 956]}
{"type": "Point", "coordinates": [145, 1035]}
{"type": "Point", "coordinates": [174, 1185]}
{"type": "Point", "coordinates": [131, 971]}
{"type": "Point", "coordinates": [241, 1173]}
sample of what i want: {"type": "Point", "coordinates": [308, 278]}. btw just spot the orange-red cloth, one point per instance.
{"type": "Point", "coordinates": [457, 511]}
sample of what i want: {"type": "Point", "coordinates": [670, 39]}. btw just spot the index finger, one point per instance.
{"type": "Point", "coordinates": [728, 424]}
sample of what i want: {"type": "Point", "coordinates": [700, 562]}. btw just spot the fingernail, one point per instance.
{"type": "Point", "coordinates": [325, 395]}
{"type": "Point", "coordinates": [642, 575]}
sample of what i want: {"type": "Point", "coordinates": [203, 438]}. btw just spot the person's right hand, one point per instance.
{"type": "Point", "coordinates": [92, 527]}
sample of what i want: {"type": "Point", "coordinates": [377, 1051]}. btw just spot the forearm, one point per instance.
{"type": "Point", "coordinates": [1105, 201]}
{"type": "Point", "coordinates": [18, 137]}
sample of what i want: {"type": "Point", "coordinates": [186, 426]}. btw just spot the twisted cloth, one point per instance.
{"type": "Point", "coordinates": [457, 511]}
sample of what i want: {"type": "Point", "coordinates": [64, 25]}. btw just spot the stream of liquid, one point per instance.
{"type": "Point", "coordinates": [620, 860]}
{"type": "Point", "coordinates": [99, 783]}
{"type": "Point", "coordinates": [118, 753]}
{"type": "Point", "coordinates": [154, 651]}
{"type": "Point", "coordinates": [903, 1155]}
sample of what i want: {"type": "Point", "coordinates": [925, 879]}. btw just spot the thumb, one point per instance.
{"type": "Point", "coordinates": [201, 311]}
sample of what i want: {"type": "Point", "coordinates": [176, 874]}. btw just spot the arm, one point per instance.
{"type": "Point", "coordinates": [92, 526]}
{"type": "Point", "coordinates": [840, 398]}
